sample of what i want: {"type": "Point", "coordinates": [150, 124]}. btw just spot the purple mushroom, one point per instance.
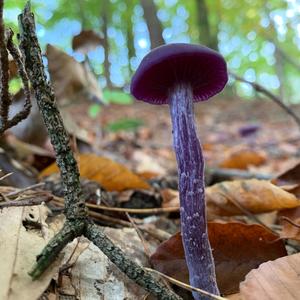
{"type": "Point", "coordinates": [178, 75]}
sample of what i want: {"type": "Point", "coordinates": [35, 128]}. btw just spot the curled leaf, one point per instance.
{"type": "Point", "coordinates": [109, 174]}
{"type": "Point", "coordinates": [274, 280]}
{"type": "Point", "coordinates": [237, 249]}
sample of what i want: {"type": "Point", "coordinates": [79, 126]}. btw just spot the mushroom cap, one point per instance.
{"type": "Point", "coordinates": [164, 67]}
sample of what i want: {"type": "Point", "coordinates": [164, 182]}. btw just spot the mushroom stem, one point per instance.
{"type": "Point", "coordinates": [191, 190]}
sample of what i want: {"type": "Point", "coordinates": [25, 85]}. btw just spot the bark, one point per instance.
{"type": "Point", "coordinates": [153, 23]}
{"type": "Point", "coordinates": [106, 46]}
{"type": "Point", "coordinates": [75, 209]}
{"type": "Point", "coordinates": [279, 69]}
{"type": "Point", "coordinates": [129, 34]}
{"type": "Point", "coordinates": [206, 36]}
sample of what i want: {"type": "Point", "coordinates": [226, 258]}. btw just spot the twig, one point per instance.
{"type": "Point", "coordinates": [5, 96]}
{"type": "Point", "coordinates": [259, 88]}
{"type": "Point", "coordinates": [67, 234]}
{"type": "Point", "coordinates": [153, 211]}
{"type": "Point", "coordinates": [20, 191]}
{"type": "Point", "coordinates": [139, 275]}
{"type": "Point", "coordinates": [153, 231]}
{"type": "Point", "coordinates": [139, 233]}
{"type": "Point", "coordinates": [75, 209]}
{"type": "Point", "coordinates": [30, 201]}
{"type": "Point", "coordinates": [186, 286]}
{"type": "Point", "coordinates": [74, 202]}
{"type": "Point", "coordinates": [5, 176]}
{"type": "Point", "coordinates": [14, 51]}
{"type": "Point", "coordinates": [141, 211]}
{"type": "Point", "coordinates": [6, 44]}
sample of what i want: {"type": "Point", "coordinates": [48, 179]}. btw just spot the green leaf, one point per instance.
{"type": "Point", "coordinates": [14, 85]}
{"type": "Point", "coordinates": [117, 97]}
{"type": "Point", "coordinates": [124, 124]}
{"type": "Point", "coordinates": [94, 111]}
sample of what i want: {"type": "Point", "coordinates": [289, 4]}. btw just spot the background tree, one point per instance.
{"type": "Point", "coordinates": [259, 39]}
{"type": "Point", "coordinates": [153, 23]}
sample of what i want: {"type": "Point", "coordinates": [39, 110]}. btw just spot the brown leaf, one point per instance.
{"type": "Point", "coordinates": [147, 163]}
{"type": "Point", "coordinates": [290, 180]}
{"type": "Point", "coordinates": [70, 78]}
{"type": "Point", "coordinates": [256, 196]}
{"type": "Point", "coordinates": [237, 249]}
{"type": "Point", "coordinates": [253, 195]}
{"type": "Point", "coordinates": [243, 158]}
{"type": "Point", "coordinates": [92, 273]}
{"type": "Point", "coordinates": [111, 175]}
{"type": "Point", "coordinates": [170, 198]}
{"type": "Point", "coordinates": [86, 41]}
{"type": "Point", "coordinates": [274, 280]}
{"type": "Point", "coordinates": [13, 70]}
{"type": "Point", "coordinates": [290, 230]}
{"type": "Point", "coordinates": [289, 177]}
{"type": "Point", "coordinates": [19, 247]}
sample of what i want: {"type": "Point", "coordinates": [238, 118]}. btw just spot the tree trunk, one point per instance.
{"type": "Point", "coordinates": [153, 23]}
{"type": "Point", "coordinates": [129, 33]}
{"type": "Point", "coordinates": [82, 15]}
{"type": "Point", "coordinates": [206, 37]}
{"type": "Point", "coordinates": [279, 69]}
{"type": "Point", "coordinates": [104, 13]}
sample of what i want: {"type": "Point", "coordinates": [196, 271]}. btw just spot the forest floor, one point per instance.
{"type": "Point", "coordinates": [245, 229]}
{"type": "Point", "coordinates": [219, 124]}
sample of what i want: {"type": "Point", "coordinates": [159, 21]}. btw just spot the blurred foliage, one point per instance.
{"type": "Point", "coordinates": [14, 85]}
{"type": "Point", "coordinates": [124, 124]}
{"type": "Point", "coordinates": [260, 39]}
{"type": "Point", "coordinates": [94, 111]}
{"type": "Point", "coordinates": [116, 97]}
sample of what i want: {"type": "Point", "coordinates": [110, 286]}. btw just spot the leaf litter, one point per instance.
{"type": "Point", "coordinates": [130, 161]}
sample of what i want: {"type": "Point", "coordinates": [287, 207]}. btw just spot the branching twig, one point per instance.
{"type": "Point", "coordinates": [6, 44]}
{"type": "Point", "coordinates": [14, 51]}
{"type": "Point", "coordinates": [75, 209]}
{"type": "Point", "coordinates": [4, 94]}
{"type": "Point", "coordinates": [139, 275]}
{"type": "Point", "coordinates": [259, 88]}
{"type": "Point", "coordinates": [28, 201]}
{"type": "Point", "coordinates": [74, 202]}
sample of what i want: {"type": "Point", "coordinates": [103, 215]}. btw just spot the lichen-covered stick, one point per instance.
{"type": "Point", "coordinates": [179, 75]}
{"type": "Point", "coordinates": [77, 223]}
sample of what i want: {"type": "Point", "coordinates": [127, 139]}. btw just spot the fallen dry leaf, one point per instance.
{"type": "Point", "coordinates": [274, 280]}
{"type": "Point", "coordinates": [70, 78]}
{"type": "Point", "coordinates": [147, 163]}
{"type": "Point", "coordinates": [237, 249]}
{"type": "Point", "coordinates": [111, 175]}
{"type": "Point", "coordinates": [94, 276]}
{"type": "Point", "coordinates": [243, 158]}
{"type": "Point", "coordinates": [86, 41]}
{"type": "Point", "coordinates": [289, 177]}
{"type": "Point", "coordinates": [236, 296]}
{"type": "Point", "coordinates": [289, 230]}
{"type": "Point", "coordinates": [253, 195]}
{"type": "Point", "coordinates": [19, 247]}
{"type": "Point", "coordinates": [256, 196]}
{"type": "Point", "coordinates": [170, 198]}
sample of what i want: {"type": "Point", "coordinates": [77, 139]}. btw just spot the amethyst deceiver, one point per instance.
{"type": "Point", "coordinates": [178, 75]}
